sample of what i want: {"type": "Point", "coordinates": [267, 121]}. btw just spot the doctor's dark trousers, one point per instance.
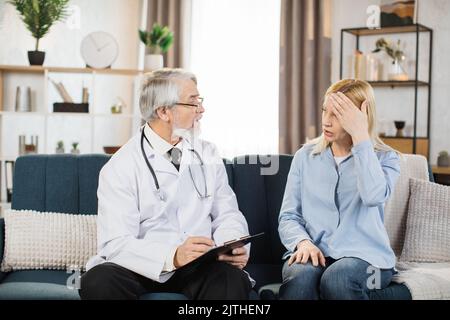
{"type": "Point", "coordinates": [212, 281]}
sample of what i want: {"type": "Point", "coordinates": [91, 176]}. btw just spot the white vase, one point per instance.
{"type": "Point", "coordinates": [153, 62]}
{"type": "Point", "coordinates": [397, 72]}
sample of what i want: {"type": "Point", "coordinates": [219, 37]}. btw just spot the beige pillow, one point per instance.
{"type": "Point", "coordinates": [48, 240]}
{"type": "Point", "coordinates": [428, 224]}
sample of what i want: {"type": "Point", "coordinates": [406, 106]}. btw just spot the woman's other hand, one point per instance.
{"type": "Point", "coordinates": [306, 250]}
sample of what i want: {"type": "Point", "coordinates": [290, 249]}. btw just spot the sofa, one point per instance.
{"type": "Point", "coordinates": [68, 183]}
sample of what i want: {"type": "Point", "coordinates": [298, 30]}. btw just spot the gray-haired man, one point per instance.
{"type": "Point", "coordinates": [163, 201]}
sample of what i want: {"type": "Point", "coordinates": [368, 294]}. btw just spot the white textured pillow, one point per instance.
{"type": "Point", "coordinates": [428, 224]}
{"type": "Point", "coordinates": [48, 240]}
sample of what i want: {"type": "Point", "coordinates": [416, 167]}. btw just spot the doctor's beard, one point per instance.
{"type": "Point", "coordinates": [190, 134]}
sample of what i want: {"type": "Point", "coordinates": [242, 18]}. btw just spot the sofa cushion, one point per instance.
{"type": "Point", "coordinates": [251, 196]}
{"type": "Point", "coordinates": [2, 243]}
{"type": "Point", "coordinates": [259, 183]}
{"type": "Point", "coordinates": [35, 240]}
{"type": "Point", "coordinates": [275, 185]}
{"type": "Point", "coordinates": [57, 183]}
{"type": "Point", "coordinates": [396, 209]}
{"type": "Point", "coordinates": [264, 274]}
{"type": "Point", "coordinates": [89, 167]}
{"type": "Point", "coordinates": [52, 285]}
{"type": "Point", "coordinates": [37, 285]}
{"type": "Point", "coordinates": [428, 224]}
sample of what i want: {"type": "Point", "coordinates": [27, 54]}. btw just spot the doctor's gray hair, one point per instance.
{"type": "Point", "coordinates": [160, 88]}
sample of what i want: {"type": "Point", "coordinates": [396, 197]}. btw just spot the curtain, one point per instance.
{"type": "Point", "coordinates": [305, 70]}
{"type": "Point", "coordinates": [176, 15]}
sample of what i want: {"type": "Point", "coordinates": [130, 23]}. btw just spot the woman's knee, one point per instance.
{"type": "Point", "coordinates": [301, 272]}
{"type": "Point", "coordinates": [345, 279]}
{"type": "Point", "coordinates": [300, 282]}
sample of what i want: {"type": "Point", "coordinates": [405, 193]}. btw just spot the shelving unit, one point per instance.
{"type": "Point", "coordinates": [415, 143]}
{"type": "Point", "coordinates": [3, 207]}
{"type": "Point", "coordinates": [93, 130]}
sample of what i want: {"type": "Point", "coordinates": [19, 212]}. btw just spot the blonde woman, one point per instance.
{"type": "Point", "coordinates": [331, 219]}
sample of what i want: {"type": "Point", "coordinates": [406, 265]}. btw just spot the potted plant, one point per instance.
{"type": "Point", "coordinates": [443, 159]}
{"type": "Point", "coordinates": [396, 71]}
{"type": "Point", "coordinates": [75, 149]}
{"type": "Point", "coordinates": [39, 16]}
{"type": "Point", "coordinates": [158, 40]}
{"type": "Point", "coordinates": [60, 147]}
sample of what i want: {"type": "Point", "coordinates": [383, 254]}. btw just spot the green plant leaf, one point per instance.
{"type": "Point", "coordinates": [39, 15]}
{"type": "Point", "coordinates": [143, 36]}
{"type": "Point", "coordinates": [158, 39]}
{"type": "Point", "coordinates": [166, 42]}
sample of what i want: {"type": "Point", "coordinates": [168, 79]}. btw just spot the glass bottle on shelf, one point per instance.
{"type": "Point", "coordinates": [397, 71]}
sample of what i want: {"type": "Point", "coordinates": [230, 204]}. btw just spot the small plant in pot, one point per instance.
{"type": "Point", "coordinates": [443, 159]}
{"type": "Point", "coordinates": [158, 40]}
{"type": "Point", "coordinates": [38, 16]}
{"type": "Point", "coordinates": [60, 147]}
{"type": "Point", "coordinates": [75, 149]}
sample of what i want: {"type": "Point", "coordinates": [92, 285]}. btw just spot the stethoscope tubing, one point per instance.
{"type": "Point", "coordinates": [155, 178]}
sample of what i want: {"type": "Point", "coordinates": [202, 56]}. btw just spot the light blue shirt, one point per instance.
{"type": "Point", "coordinates": [340, 208]}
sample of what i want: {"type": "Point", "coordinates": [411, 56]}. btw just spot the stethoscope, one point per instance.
{"type": "Point", "coordinates": [155, 179]}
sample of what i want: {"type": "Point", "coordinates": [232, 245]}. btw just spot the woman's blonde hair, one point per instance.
{"type": "Point", "coordinates": [357, 91]}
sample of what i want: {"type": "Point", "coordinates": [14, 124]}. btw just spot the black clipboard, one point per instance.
{"type": "Point", "coordinates": [214, 253]}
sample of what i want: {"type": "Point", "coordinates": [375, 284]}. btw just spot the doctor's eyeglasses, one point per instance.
{"type": "Point", "coordinates": [194, 105]}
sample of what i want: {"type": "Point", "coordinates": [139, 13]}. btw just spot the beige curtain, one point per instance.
{"type": "Point", "coordinates": [171, 13]}
{"type": "Point", "coordinates": [305, 70]}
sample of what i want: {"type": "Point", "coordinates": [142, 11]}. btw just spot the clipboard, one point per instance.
{"type": "Point", "coordinates": [214, 253]}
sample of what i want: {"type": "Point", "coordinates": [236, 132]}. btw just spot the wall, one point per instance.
{"type": "Point", "coordinates": [62, 44]}
{"type": "Point", "coordinates": [398, 104]}
{"type": "Point", "coordinates": [121, 18]}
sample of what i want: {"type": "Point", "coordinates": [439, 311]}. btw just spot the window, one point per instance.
{"type": "Point", "coordinates": [235, 55]}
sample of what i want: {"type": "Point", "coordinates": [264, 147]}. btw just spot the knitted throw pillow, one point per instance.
{"type": "Point", "coordinates": [48, 240]}
{"type": "Point", "coordinates": [428, 223]}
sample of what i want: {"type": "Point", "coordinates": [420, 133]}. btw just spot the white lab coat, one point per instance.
{"type": "Point", "coordinates": [136, 230]}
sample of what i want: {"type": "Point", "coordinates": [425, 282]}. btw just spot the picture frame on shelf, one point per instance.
{"type": "Point", "coordinates": [398, 12]}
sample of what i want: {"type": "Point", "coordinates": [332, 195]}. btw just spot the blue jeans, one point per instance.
{"type": "Point", "coordinates": [343, 279]}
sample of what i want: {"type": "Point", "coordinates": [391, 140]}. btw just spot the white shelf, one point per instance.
{"type": "Point", "coordinates": [4, 206]}
{"type": "Point", "coordinates": [91, 130]}
{"type": "Point", "coordinates": [82, 114]}
{"type": "Point", "coordinates": [69, 114]}
{"type": "Point", "coordinates": [43, 69]}
{"type": "Point", "coordinates": [17, 113]}
{"type": "Point", "coordinates": [119, 115]}
{"type": "Point", "coordinates": [8, 158]}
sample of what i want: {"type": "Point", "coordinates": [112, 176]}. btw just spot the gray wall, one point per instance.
{"type": "Point", "coordinates": [397, 104]}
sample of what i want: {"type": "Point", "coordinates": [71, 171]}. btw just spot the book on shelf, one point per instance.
{"type": "Point", "coordinates": [62, 91]}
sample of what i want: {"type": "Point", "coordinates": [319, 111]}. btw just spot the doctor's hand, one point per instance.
{"type": "Point", "coordinates": [191, 249]}
{"type": "Point", "coordinates": [307, 250]}
{"type": "Point", "coordinates": [237, 258]}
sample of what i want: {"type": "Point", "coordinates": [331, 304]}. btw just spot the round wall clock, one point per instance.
{"type": "Point", "coordinates": [99, 50]}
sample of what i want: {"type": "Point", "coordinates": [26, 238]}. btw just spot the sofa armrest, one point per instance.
{"type": "Point", "coordinates": [2, 245]}
{"type": "Point", "coordinates": [430, 173]}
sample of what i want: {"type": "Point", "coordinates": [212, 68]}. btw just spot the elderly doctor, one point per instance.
{"type": "Point", "coordinates": [164, 200]}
